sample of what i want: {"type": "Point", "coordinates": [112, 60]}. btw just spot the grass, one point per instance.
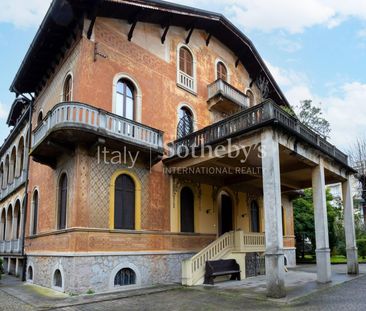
{"type": "Point", "coordinates": [336, 259]}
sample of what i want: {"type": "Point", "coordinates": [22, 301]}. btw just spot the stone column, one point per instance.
{"type": "Point", "coordinates": [349, 227]}
{"type": "Point", "coordinates": [272, 215]}
{"type": "Point", "coordinates": [321, 224]}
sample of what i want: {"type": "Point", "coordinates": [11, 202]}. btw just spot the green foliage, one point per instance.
{"type": "Point", "coordinates": [304, 220]}
{"type": "Point", "coordinates": [313, 118]}
{"type": "Point", "coordinates": [90, 292]}
{"type": "Point", "coordinates": [289, 110]}
{"type": "Point", "coordinates": [361, 245]}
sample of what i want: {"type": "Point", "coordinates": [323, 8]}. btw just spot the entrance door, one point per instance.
{"type": "Point", "coordinates": [226, 217]}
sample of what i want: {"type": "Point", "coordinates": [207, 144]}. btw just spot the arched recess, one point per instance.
{"type": "Point", "coordinates": [17, 218]}
{"type": "Point", "coordinates": [58, 278]}
{"type": "Point", "coordinates": [226, 206]}
{"type": "Point", "coordinates": [30, 273]}
{"type": "Point", "coordinates": [34, 213]}
{"type": "Point", "coordinates": [9, 223]}
{"type": "Point", "coordinates": [6, 171]}
{"type": "Point", "coordinates": [255, 216]}
{"type": "Point", "coordinates": [187, 209]}
{"type": "Point", "coordinates": [2, 224]}
{"type": "Point", "coordinates": [20, 159]}
{"type": "Point", "coordinates": [137, 94]}
{"type": "Point", "coordinates": [2, 175]}
{"type": "Point", "coordinates": [137, 197]}
{"type": "Point", "coordinates": [13, 164]}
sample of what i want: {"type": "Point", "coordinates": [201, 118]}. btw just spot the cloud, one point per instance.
{"type": "Point", "coordinates": [23, 13]}
{"type": "Point", "coordinates": [3, 111]}
{"type": "Point", "coordinates": [289, 15]}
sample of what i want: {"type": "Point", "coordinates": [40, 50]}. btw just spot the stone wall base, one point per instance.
{"type": "Point", "coordinates": [96, 273]}
{"type": "Point", "coordinates": [290, 255]}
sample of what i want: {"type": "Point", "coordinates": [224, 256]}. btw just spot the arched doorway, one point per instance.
{"type": "Point", "coordinates": [225, 214]}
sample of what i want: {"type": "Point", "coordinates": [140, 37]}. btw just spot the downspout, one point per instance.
{"type": "Point", "coordinates": [25, 205]}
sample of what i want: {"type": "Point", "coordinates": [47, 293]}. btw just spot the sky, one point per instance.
{"type": "Point", "coordinates": [314, 48]}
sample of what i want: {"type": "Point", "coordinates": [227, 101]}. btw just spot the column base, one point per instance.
{"type": "Point", "coordinates": [323, 265]}
{"type": "Point", "coordinates": [352, 260]}
{"type": "Point", "coordinates": [275, 272]}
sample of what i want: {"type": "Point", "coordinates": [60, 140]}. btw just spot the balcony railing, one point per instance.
{"type": "Point", "coordinates": [79, 115]}
{"type": "Point", "coordinates": [15, 184]}
{"type": "Point", "coordinates": [221, 87]}
{"type": "Point", "coordinates": [252, 118]}
{"type": "Point", "coordinates": [10, 247]}
{"type": "Point", "coordinates": [186, 81]}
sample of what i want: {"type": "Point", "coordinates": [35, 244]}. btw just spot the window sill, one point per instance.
{"type": "Point", "coordinates": [181, 86]}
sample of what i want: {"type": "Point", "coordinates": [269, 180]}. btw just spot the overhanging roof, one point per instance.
{"type": "Point", "coordinates": [63, 16]}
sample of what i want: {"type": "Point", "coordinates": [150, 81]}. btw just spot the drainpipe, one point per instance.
{"type": "Point", "coordinates": [25, 205]}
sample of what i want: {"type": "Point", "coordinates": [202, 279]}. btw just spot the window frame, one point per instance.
{"type": "Point", "coordinates": [68, 77]}
{"type": "Point", "coordinates": [138, 188]}
{"type": "Point", "coordinates": [220, 61]}
{"type": "Point", "coordinates": [192, 90]}
{"type": "Point", "coordinates": [59, 200]}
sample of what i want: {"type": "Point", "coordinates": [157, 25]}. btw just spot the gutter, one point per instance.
{"type": "Point", "coordinates": [25, 205]}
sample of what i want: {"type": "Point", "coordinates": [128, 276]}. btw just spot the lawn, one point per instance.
{"type": "Point", "coordinates": [333, 259]}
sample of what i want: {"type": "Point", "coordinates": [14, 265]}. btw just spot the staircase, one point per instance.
{"type": "Point", "coordinates": [233, 244]}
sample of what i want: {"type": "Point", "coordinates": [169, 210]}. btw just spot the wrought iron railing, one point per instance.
{"type": "Point", "coordinates": [249, 119]}
{"type": "Point", "coordinates": [73, 114]}
{"type": "Point", "coordinates": [221, 87]}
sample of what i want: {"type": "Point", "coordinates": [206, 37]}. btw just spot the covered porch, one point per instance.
{"type": "Point", "coordinates": [265, 152]}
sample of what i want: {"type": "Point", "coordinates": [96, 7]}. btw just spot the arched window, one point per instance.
{"type": "Point", "coordinates": [67, 91]}
{"type": "Point", "coordinates": [221, 71]}
{"type": "Point", "coordinates": [57, 279]}
{"type": "Point", "coordinates": [125, 99]}
{"type": "Point", "coordinates": [6, 173]}
{"type": "Point", "coordinates": [124, 202]}
{"type": "Point", "coordinates": [2, 175]}
{"type": "Point", "coordinates": [250, 96]}
{"type": "Point", "coordinates": [62, 202]}
{"type": "Point", "coordinates": [17, 217]}
{"type": "Point", "coordinates": [13, 164]}
{"type": "Point", "coordinates": [186, 210]}
{"type": "Point", "coordinates": [3, 225]}
{"type": "Point", "coordinates": [30, 273]}
{"type": "Point", "coordinates": [125, 276]}
{"type": "Point", "coordinates": [254, 213]}
{"type": "Point", "coordinates": [186, 61]}
{"type": "Point", "coordinates": [39, 118]}
{"type": "Point", "coordinates": [9, 223]}
{"type": "Point", "coordinates": [35, 203]}
{"type": "Point", "coordinates": [185, 124]}
{"type": "Point", "coordinates": [21, 155]}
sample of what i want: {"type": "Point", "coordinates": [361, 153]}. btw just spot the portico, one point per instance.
{"type": "Point", "coordinates": [289, 157]}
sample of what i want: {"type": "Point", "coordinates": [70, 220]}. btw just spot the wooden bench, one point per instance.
{"type": "Point", "coordinates": [216, 268]}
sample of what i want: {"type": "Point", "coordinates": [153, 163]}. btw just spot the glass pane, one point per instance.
{"type": "Point", "coordinates": [129, 109]}
{"type": "Point", "coordinates": [119, 87]}
{"type": "Point", "coordinates": [119, 104]}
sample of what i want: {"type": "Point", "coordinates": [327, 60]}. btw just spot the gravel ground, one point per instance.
{"type": "Point", "coordinates": [9, 303]}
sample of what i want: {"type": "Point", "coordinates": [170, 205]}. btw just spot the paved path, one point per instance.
{"type": "Point", "coordinates": [347, 296]}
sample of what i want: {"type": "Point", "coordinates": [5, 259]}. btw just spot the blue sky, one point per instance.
{"type": "Point", "coordinates": [314, 48]}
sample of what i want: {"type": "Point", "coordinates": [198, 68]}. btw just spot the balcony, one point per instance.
{"type": "Point", "coordinates": [14, 185]}
{"type": "Point", "coordinates": [10, 247]}
{"type": "Point", "coordinates": [251, 119]}
{"type": "Point", "coordinates": [224, 98]}
{"type": "Point", "coordinates": [72, 123]}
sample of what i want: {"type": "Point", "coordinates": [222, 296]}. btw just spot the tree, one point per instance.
{"type": "Point", "coordinates": [357, 159]}
{"type": "Point", "coordinates": [304, 220]}
{"type": "Point", "coordinates": [312, 117]}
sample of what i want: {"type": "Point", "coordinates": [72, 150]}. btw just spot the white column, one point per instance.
{"type": "Point", "coordinates": [349, 227]}
{"type": "Point", "coordinates": [272, 215]}
{"type": "Point", "coordinates": [321, 224]}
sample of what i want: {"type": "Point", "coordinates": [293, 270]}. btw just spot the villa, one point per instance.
{"type": "Point", "coordinates": [149, 138]}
